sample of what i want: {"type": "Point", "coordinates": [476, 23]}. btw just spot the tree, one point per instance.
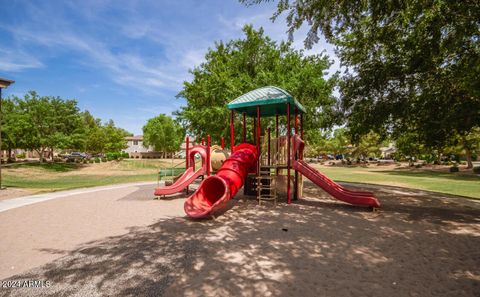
{"type": "Point", "coordinates": [368, 146]}
{"type": "Point", "coordinates": [163, 133]}
{"type": "Point", "coordinates": [12, 123]}
{"type": "Point", "coordinates": [409, 63]}
{"type": "Point", "coordinates": [467, 145]}
{"type": "Point", "coordinates": [338, 143]}
{"type": "Point", "coordinates": [47, 123]}
{"type": "Point", "coordinates": [103, 138]}
{"type": "Point", "coordinates": [408, 145]}
{"type": "Point", "coordinates": [238, 66]}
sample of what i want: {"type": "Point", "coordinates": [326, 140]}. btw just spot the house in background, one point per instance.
{"type": "Point", "coordinates": [387, 152]}
{"type": "Point", "coordinates": [136, 150]}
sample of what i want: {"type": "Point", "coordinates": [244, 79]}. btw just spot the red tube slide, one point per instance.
{"type": "Point", "coordinates": [215, 191]}
{"type": "Point", "coordinates": [189, 175]}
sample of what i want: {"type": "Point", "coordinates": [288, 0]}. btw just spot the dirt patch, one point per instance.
{"type": "Point", "coordinates": [9, 193]}
{"type": "Point", "coordinates": [418, 244]}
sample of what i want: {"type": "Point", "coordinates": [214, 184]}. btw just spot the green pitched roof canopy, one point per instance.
{"type": "Point", "coordinates": [272, 101]}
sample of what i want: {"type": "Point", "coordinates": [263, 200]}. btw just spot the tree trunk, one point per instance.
{"type": "Point", "coordinates": [40, 154]}
{"type": "Point", "coordinates": [468, 152]}
{"type": "Point", "coordinates": [468, 156]}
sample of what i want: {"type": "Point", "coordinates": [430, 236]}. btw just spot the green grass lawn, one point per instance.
{"type": "Point", "coordinates": [46, 177]}
{"type": "Point", "coordinates": [72, 181]}
{"type": "Point", "coordinates": [443, 182]}
{"type": "Point", "coordinates": [63, 176]}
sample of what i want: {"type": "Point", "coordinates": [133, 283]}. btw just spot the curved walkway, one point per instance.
{"type": "Point", "coordinates": [31, 199]}
{"type": "Point", "coordinates": [36, 233]}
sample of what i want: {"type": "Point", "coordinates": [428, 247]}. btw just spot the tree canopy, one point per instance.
{"type": "Point", "coordinates": [163, 133]}
{"type": "Point", "coordinates": [46, 123]}
{"type": "Point", "coordinates": [238, 66]}
{"type": "Point", "coordinates": [411, 66]}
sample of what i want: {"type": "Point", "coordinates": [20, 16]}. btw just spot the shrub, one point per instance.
{"type": "Point", "coordinates": [125, 155]}
{"type": "Point", "coordinates": [85, 161]}
{"type": "Point", "coordinates": [474, 156]}
{"type": "Point", "coordinates": [454, 169]}
{"type": "Point", "coordinates": [97, 160]}
{"type": "Point", "coordinates": [91, 161]}
{"type": "Point", "coordinates": [21, 156]}
{"type": "Point", "coordinates": [104, 159]}
{"type": "Point", "coordinates": [476, 169]}
{"type": "Point", "coordinates": [418, 166]}
{"type": "Point", "coordinates": [70, 160]}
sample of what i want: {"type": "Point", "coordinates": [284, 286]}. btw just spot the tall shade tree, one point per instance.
{"type": "Point", "coordinates": [12, 126]}
{"type": "Point", "coordinates": [410, 64]}
{"type": "Point", "coordinates": [48, 123]}
{"type": "Point", "coordinates": [238, 66]}
{"type": "Point", "coordinates": [163, 133]}
{"type": "Point", "coordinates": [102, 138]}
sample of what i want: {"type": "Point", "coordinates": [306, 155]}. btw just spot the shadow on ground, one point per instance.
{"type": "Point", "coordinates": [418, 245]}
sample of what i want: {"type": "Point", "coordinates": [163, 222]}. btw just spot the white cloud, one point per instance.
{"type": "Point", "coordinates": [15, 61]}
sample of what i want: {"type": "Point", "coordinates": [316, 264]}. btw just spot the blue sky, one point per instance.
{"type": "Point", "coordinates": [121, 60]}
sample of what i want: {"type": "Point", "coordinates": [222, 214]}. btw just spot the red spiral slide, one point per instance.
{"type": "Point", "coordinates": [215, 191]}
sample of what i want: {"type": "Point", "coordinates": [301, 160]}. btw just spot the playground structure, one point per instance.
{"type": "Point", "coordinates": [211, 158]}
{"type": "Point", "coordinates": [265, 164]}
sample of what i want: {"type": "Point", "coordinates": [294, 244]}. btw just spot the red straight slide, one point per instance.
{"type": "Point", "coordinates": [189, 176]}
{"type": "Point", "coordinates": [215, 191]}
{"type": "Point", "coordinates": [328, 185]}
{"type": "Point", "coordinates": [334, 189]}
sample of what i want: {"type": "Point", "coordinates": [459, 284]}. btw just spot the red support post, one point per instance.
{"type": "Point", "coordinates": [187, 161]}
{"type": "Point", "coordinates": [254, 140]}
{"type": "Point", "coordinates": [187, 144]}
{"type": "Point", "coordinates": [288, 153]}
{"type": "Point", "coordinates": [258, 140]}
{"type": "Point", "coordinates": [244, 127]}
{"type": "Point", "coordinates": [268, 131]}
{"type": "Point", "coordinates": [296, 121]}
{"type": "Point", "coordinates": [295, 185]}
{"type": "Point", "coordinates": [203, 141]}
{"type": "Point", "coordinates": [223, 143]}
{"type": "Point", "coordinates": [301, 126]}
{"type": "Point", "coordinates": [232, 132]}
{"type": "Point", "coordinates": [208, 155]}
{"type": "Point", "coordinates": [258, 129]}
{"type": "Point", "coordinates": [277, 142]}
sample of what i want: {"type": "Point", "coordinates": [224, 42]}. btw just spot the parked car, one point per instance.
{"type": "Point", "coordinates": [78, 155]}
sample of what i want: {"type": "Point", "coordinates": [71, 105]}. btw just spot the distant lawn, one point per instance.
{"type": "Point", "coordinates": [442, 182]}
{"type": "Point", "coordinates": [64, 176]}
{"type": "Point", "coordinates": [49, 167]}
{"type": "Point", "coordinates": [132, 164]}
{"type": "Point", "coordinates": [46, 177]}
{"type": "Point", "coordinates": [72, 181]}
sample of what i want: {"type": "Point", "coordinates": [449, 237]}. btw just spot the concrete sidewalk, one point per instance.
{"type": "Point", "coordinates": [27, 200]}
{"type": "Point", "coordinates": [36, 233]}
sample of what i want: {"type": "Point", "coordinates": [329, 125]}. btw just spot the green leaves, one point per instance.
{"type": "Point", "coordinates": [412, 65]}
{"type": "Point", "coordinates": [46, 123]}
{"type": "Point", "coordinates": [238, 66]}
{"type": "Point", "coordinates": [164, 134]}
